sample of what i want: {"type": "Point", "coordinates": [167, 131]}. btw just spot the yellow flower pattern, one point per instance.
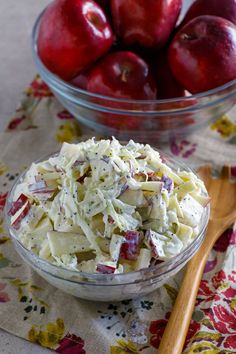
{"type": "Point", "coordinates": [68, 132]}
{"type": "Point", "coordinates": [233, 304]}
{"type": "Point", "coordinates": [3, 168]}
{"type": "Point", "coordinates": [224, 126]}
{"type": "Point", "coordinates": [4, 239]}
{"type": "Point", "coordinates": [47, 337]}
{"type": "Point", "coordinates": [206, 348]}
{"type": "Point", "coordinates": [124, 347]}
{"type": "Point", "coordinates": [2, 230]}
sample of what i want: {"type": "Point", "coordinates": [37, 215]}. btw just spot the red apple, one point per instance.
{"type": "Point", "coordinates": [148, 23]}
{"type": "Point", "coordinates": [80, 81]}
{"type": "Point", "coordinates": [72, 35]}
{"type": "Point", "coordinates": [103, 3]}
{"type": "Point", "coordinates": [222, 8]}
{"type": "Point", "coordinates": [122, 75]}
{"type": "Point", "coordinates": [202, 55]}
{"type": "Point", "coordinates": [168, 86]}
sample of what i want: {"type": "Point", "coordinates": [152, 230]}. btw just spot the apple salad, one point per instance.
{"type": "Point", "coordinates": [103, 207]}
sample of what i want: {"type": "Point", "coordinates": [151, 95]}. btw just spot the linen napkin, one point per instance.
{"type": "Point", "coordinates": [33, 309]}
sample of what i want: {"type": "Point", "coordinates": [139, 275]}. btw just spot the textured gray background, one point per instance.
{"type": "Point", "coordinates": [16, 71]}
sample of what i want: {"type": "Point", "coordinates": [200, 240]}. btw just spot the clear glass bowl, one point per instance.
{"type": "Point", "coordinates": [109, 287]}
{"type": "Point", "coordinates": [158, 120]}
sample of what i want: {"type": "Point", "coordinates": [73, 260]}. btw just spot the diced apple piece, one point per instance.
{"type": "Point", "coordinates": [166, 170]}
{"type": "Point", "coordinates": [66, 226]}
{"type": "Point", "coordinates": [20, 215]}
{"type": "Point", "coordinates": [35, 238]}
{"type": "Point", "coordinates": [155, 243]}
{"type": "Point", "coordinates": [202, 199]}
{"type": "Point", "coordinates": [97, 224]}
{"type": "Point", "coordinates": [32, 218]}
{"type": "Point", "coordinates": [115, 246]}
{"type": "Point", "coordinates": [192, 211]}
{"type": "Point", "coordinates": [18, 204]}
{"type": "Point", "coordinates": [144, 259]}
{"type": "Point", "coordinates": [39, 187]}
{"type": "Point", "coordinates": [185, 188]}
{"type": "Point", "coordinates": [45, 250]}
{"type": "Point", "coordinates": [133, 197]}
{"type": "Point", "coordinates": [50, 177]}
{"type": "Point", "coordinates": [69, 150]}
{"type": "Point", "coordinates": [172, 217]}
{"type": "Point", "coordinates": [173, 246]}
{"type": "Point", "coordinates": [103, 243]}
{"type": "Point", "coordinates": [43, 227]}
{"type": "Point", "coordinates": [43, 168]}
{"type": "Point", "coordinates": [67, 243]}
{"type": "Point", "coordinates": [172, 175]}
{"type": "Point", "coordinates": [106, 268]}
{"type": "Point", "coordinates": [174, 204]}
{"type": "Point", "coordinates": [129, 248]}
{"type": "Point", "coordinates": [158, 210]}
{"type": "Point", "coordinates": [152, 186]}
{"type": "Point", "coordinates": [184, 232]}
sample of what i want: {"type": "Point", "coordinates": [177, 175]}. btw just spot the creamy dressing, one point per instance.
{"type": "Point", "coordinates": [99, 206]}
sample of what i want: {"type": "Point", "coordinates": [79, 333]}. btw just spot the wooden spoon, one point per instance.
{"type": "Point", "coordinates": [223, 214]}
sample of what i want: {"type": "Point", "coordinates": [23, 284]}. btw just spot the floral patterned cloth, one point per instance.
{"type": "Point", "coordinates": [32, 309]}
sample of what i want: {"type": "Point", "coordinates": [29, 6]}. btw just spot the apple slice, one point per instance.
{"type": "Point", "coordinates": [105, 268]}
{"type": "Point", "coordinates": [152, 186]}
{"type": "Point", "coordinates": [144, 259]}
{"type": "Point", "coordinates": [184, 232]}
{"type": "Point", "coordinates": [156, 243]}
{"type": "Point", "coordinates": [20, 215]}
{"type": "Point", "coordinates": [192, 211]}
{"type": "Point", "coordinates": [45, 250]}
{"type": "Point", "coordinates": [40, 187]}
{"type": "Point", "coordinates": [184, 188]}
{"type": "Point", "coordinates": [67, 243]}
{"type": "Point", "coordinates": [133, 197]}
{"type": "Point", "coordinates": [129, 248]}
{"type": "Point", "coordinates": [202, 199]}
{"type": "Point", "coordinates": [115, 246]}
{"type": "Point", "coordinates": [174, 205]}
{"type": "Point", "coordinates": [17, 205]}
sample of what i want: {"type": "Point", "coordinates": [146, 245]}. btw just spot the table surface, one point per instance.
{"type": "Point", "coordinates": [16, 71]}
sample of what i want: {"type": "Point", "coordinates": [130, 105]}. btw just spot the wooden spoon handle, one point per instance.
{"type": "Point", "coordinates": [176, 330]}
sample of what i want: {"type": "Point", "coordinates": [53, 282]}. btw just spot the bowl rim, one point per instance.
{"type": "Point", "coordinates": [174, 261]}
{"type": "Point", "coordinates": [58, 81]}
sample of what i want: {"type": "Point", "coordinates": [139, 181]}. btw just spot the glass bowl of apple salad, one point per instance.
{"type": "Point", "coordinates": [106, 213]}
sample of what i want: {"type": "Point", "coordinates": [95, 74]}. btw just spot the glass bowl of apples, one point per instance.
{"type": "Point", "coordinates": [42, 241]}
{"type": "Point", "coordinates": [136, 74]}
